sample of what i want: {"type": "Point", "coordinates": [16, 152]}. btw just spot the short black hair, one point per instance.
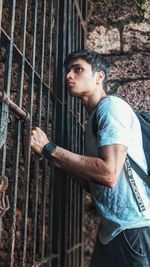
{"type": "Point", "coordinates": [96, 60]}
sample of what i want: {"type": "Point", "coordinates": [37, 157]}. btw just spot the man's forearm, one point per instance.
{"type": "Point", "coordinates": [88, 168]}
{"type": "Point", "coordinates": [105, 169]}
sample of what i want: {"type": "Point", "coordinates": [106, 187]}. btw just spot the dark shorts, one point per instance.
{"type": "Point", "coordinates": [131, 248]}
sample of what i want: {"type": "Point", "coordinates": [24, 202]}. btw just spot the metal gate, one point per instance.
{"type": "Point", "coordinates": [41, 207]}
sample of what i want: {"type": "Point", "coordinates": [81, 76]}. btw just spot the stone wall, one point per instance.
{"type": "Point", "coordinates": [120, 29]}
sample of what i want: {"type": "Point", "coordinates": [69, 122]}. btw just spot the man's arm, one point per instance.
{"type": "Point", "coordinates": [106, 169]}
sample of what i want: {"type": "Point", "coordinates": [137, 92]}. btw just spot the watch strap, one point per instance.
{"type": "Point", "coordinates": [48, 150]}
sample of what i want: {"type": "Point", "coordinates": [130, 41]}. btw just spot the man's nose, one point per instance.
{"type": "Point", "coordinates": [69, 75]}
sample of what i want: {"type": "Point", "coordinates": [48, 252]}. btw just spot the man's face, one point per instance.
{"type": "Point", "coordinates": [80, 78]}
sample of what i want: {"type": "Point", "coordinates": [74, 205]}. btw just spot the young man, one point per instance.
{"type": "Point", "coordinates": [124, 233]}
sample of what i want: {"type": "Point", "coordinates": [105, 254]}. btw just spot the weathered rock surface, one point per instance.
{"type": "Point", "coordinates": [136, 37]}
{"type": "Point", "coordinates": [104, 40]}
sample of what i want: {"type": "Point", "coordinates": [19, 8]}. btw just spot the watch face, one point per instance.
{"type": "Point", "coordinates": [48, 149]}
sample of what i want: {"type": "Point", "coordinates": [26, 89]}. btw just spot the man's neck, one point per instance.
{"type": "Point", "coordinates": [91, 103]}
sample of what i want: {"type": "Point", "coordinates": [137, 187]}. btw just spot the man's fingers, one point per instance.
{"type": "Point", "coordinates": [32, 140]}
{"type": "Point", "coordinates": [37, 130]}
{"type": "Point", "coordinates": [34, 132]}
{"type": "Point", "coordinates": [38, 137]}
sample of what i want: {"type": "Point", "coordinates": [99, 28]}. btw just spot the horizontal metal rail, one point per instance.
{"type": "Point", "coordinates": [16, 110]}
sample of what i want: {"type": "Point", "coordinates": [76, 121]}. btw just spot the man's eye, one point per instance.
{"type": "Point", "coordinates": [78, 69]}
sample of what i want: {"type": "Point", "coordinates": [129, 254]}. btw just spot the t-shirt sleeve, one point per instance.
{"type": "Point", "coordinates": [113, 120]}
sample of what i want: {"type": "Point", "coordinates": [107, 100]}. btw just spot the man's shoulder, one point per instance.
{"type": "Point", "coordinates": [112, 102]}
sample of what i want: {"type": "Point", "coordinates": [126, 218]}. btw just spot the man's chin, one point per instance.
{"type": "Point", "coordinates": [74, 94]}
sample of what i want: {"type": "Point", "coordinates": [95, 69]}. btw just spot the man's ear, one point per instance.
{"type": "Point", "coordinates": [100, 75]}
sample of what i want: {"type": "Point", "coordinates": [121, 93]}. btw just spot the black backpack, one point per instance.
{"type": "Point", "coordinates": [144, 119]}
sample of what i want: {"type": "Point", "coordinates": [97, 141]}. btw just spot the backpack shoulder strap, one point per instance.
{"type": "Point", "coordinates": [94, 124]}
{"type": "Point", "coordinates": [137, 169]}
{"type": "Point", "coordinates": [133, 185]}
{"type": "Point", "coordinates": [144, 119]}
{"type": "Point", "coordinates": [94, 119]}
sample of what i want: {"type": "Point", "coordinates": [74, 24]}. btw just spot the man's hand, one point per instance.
{"type": "Point", "coordinates": [38, 140]}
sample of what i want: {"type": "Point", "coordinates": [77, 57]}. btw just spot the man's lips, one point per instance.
{"type": "Point", "coordinates": [70, 83]}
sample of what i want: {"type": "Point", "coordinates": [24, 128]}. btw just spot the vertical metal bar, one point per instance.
{"type": "Point", "coordinates": [56, 239]}
{"type": "Point", "coordinates": [42, 60]}
{"type": "Point", "coordinates": [67, 130]}
{"type": "Point", "coordinates": [39, 250]}
{"type": "Point", "coordinates": [80, 200]}
{"type": "Point", "coordinates": [80, 29]}
{"type": "Point", "coordinates": [41, 89]}
{"type": "Point", "coordinates": [69, 121]}
{"type": "Point", "coordinates": [40, 186]}
{"type": "Point", "coordinates": [73, 138]}
{"type": "Point", "coordinates": [27, 160]}
{"type": "Point", "coordinates": [79, 215]}
{"type": "Point", "coordinates": [75, 223]}
{"type": "Point", "coordinates": [11, 48]}
{"type": "Point", "coordinates": [50, 175]}
{"type": "Point", "coordinates": [1, 7]}
{"type": "Point", "coordinates": [73, 147]}
{"type": "Point", "coordinates": [76, 144]}
{"type": "Point", "coordinates": [9, 72]}
{"type": "Point", "coordinates": [17, 147]}
{"type": "Point", "coordinates": [83, 40]}
{"type": "Point", "coordinates": [61, 128]}
{"type": "Point", "coordinates": [36, 232]}
{"type": "Point", "coordinates": [83, 33]}
{"type": "Point", "coordinates": [73, 28]}
{"type": "Point", "coordinates": [8, 92]}
{"type": "Point", "coordinates": [84, 14]}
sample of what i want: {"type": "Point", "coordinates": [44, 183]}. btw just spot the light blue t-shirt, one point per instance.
{"type": "Point", "coordinates": [117, 208]}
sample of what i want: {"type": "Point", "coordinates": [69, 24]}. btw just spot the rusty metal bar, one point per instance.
{"type": "Point", "coordinates": [18, 55]}
{"type": "Point", "coordinates": [28, 153]}
{"type": "Point", "coordinates": [8, 86]}
{"type": "Point", "coordinates": [9, 71]}
{"type": "Point", "coordinates": [75, 252]}
{"type": "Point", "coordinates": [79, 14]}
{"type": "Point", "coordinates": [47, 199]}
{"type": "Point", "coordinates": [1, 8]}
{"type": "Point", "coordinates": [73, 136]}
{"type": "Point", "coordinates": [50, 115]}
{"type": "Point", "coordinates": [16, 110]}
{"type": "Point", "coordinates": [59, 203]}
{"type": "Point", "coordinates": [44, 182]}
{"type": "Point", "coordinates": [11, 47]}
{"type": "Point", "coordinates": [20, 114]}
{"type": "Point", "coordinates": [78, 193]}
{"type": "Point", "coordinates": [55, 243]}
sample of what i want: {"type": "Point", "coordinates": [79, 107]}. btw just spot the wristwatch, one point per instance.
{"type": "Point", "coordinates": [48, 149]}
